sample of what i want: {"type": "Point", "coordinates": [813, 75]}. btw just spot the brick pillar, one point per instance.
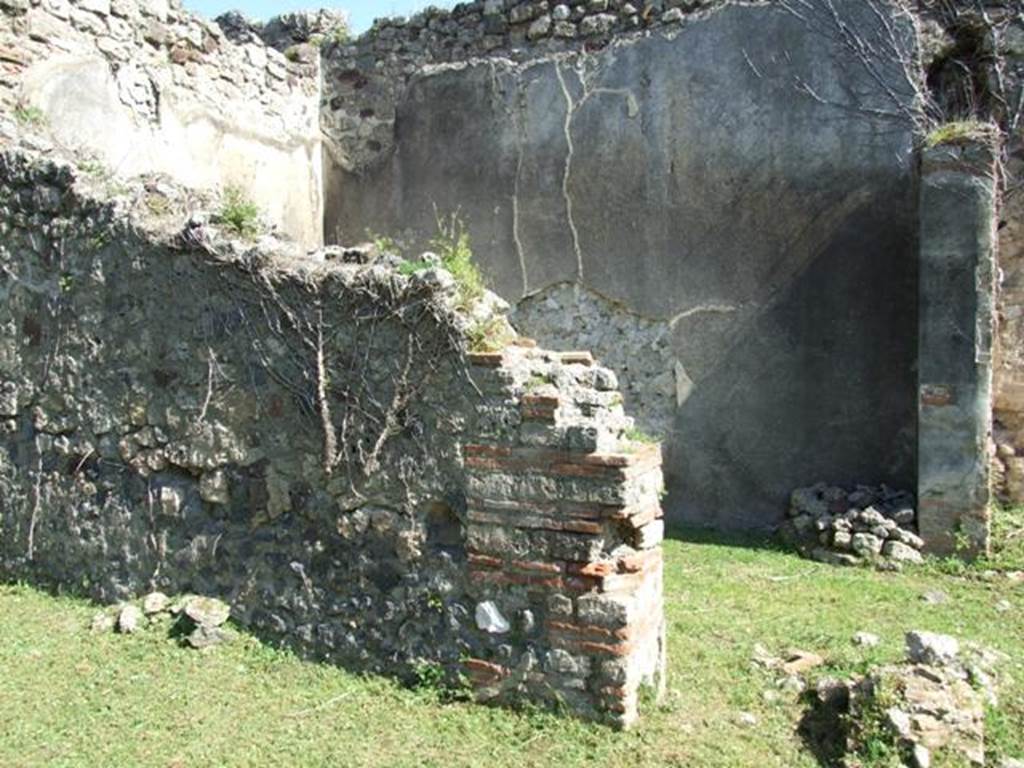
{"type": "Point", "coordinates": [564, 537]}
{"type": "Point", "coordinates": [957, 285]}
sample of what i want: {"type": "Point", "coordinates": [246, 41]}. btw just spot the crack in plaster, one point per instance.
{"type": "Point", "coordinates": [701, 309]}
{"type": "Point", "coordinates": [570, 110]}
{"type": "Point", "coordinates": [519, 117]}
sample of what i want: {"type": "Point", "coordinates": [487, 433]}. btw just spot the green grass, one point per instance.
{"type": "Point", "coordinates": [69, 698]}
{"type": "Point", "coordinates": [1007, 547]}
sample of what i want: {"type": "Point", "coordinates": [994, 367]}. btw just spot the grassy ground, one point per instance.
{"type": "Point", "coordinates": [69, 698]}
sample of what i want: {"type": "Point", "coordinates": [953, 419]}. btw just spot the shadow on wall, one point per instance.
{"type": "Point", "coordinates": [819, 385]}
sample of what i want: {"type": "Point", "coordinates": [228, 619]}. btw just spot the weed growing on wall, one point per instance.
{"type": "Point", "coordinates": [29, 115]}
{"type": "Point", "coordinates": [239, 213]}
{"type": "Point", "coordinates": [384, 243]}
{"type": "Point", "coordinates": [1007, 538]}
{"type": "Point", "coordinates": [962, 131]}
{"type": "Point", "coordinates": [637, 435]}
{"type": "Point", "coordinates": [489, 335]}
{"type": "Point", "coordinates": [452, 244]}
{"type": "Point", "coordinates": [454, 254]}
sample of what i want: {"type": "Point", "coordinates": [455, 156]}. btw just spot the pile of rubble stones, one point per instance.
{"type": "Point", "coordinates": [931, 707]}
{"type": "Point", "coordinates": [867, 524]}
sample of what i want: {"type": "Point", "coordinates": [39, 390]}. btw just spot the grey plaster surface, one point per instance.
{"type": "Point", "coordinates": [748, 182]}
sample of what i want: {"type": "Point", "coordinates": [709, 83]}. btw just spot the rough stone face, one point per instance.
{"type": "Point", "coordinates": [205, 636]}
{"type": "Point", "coordinates": [309, 444]}
{"type": "Point", "coordinates": [901, 553]}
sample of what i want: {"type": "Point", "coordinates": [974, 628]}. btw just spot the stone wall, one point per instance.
{"type": "Point", "coordinates": [365, 78]}
{"type": "Point", "coordinates": [721, 204]}
{"type": "Point", "coordinates": [308, 440]}
{"type": "Point", "coordinates": [147, 87]}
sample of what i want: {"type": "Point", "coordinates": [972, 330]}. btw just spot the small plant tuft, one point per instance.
{"type": "Point", "coordinates": [239, 213]}
{"type": "Point", "coordinates": [489, 335]}
{"type": "Point", "coordinates": [452, 244]}
{"type": "Point", "coordinates": [339, 35]}
{"type": "Point", "coordinates": [412, 267]}
{"type": "Point", "coordinates": [872, 737]}
{"type": "Point", "coordinates": [384, 243]}
{"type": "Point", "coordinates": [429, 675]}
{"type": "Point", "coordinates": [637, 435]}
{"type": "Point", "coordinates": [26, 114]}
{"type": "Point", "coordinates": [158, 204]}
{"type": "Point", "coordinates": [537, 381]}
{"type": "Point", "coordinates": [961, 132]}
{"type": "Point", "coordinates": [95, 169]}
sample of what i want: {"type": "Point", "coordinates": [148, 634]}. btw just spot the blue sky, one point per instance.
{"type": "Point", "coordinates": [362, 12]}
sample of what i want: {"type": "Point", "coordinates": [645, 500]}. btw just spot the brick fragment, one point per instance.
{"type": "Point", "coordinates": [487, 359]}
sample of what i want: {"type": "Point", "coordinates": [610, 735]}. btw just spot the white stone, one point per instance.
{"type": "Point", "coordinates": [159, 9]}
{"type": "Point", "coordinates": [866, 545]}
{"type": "Point", "coordinates": [207, 611]}
{"type": "Point", "coordinates": [170, 502]}
{"type": "Point", "coordinates": [213, 487]}
{"type": "Point", "coordinates": [651, 535]}
{"type": "Point", "coordinates": [921, 757]}
{"type": "Point", "coordinates": [899, 721]}
{"type": "Point", "coordinates": [901, 553]}
{"type": "Point", "coordinates": [155, 602]}
{"type": "Point", "coordinates": [932, 648]}
{"type": "Point", "coordinates": [539, 28]}
{"type": "Point", "coordinates": [60, 9]}
{"type": "Point", "coordinates": [489, 619]}
{"type": "Point", "coordinates": [101, 7]}
{"type": "Point", "coordinates": [866, 639]}
{"type": "Point", "coordinates": [256, 55]}
{"type": "Point", "coordinates": [9, 401]}
{"type": "Point", "coordinates": [129, 620]}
